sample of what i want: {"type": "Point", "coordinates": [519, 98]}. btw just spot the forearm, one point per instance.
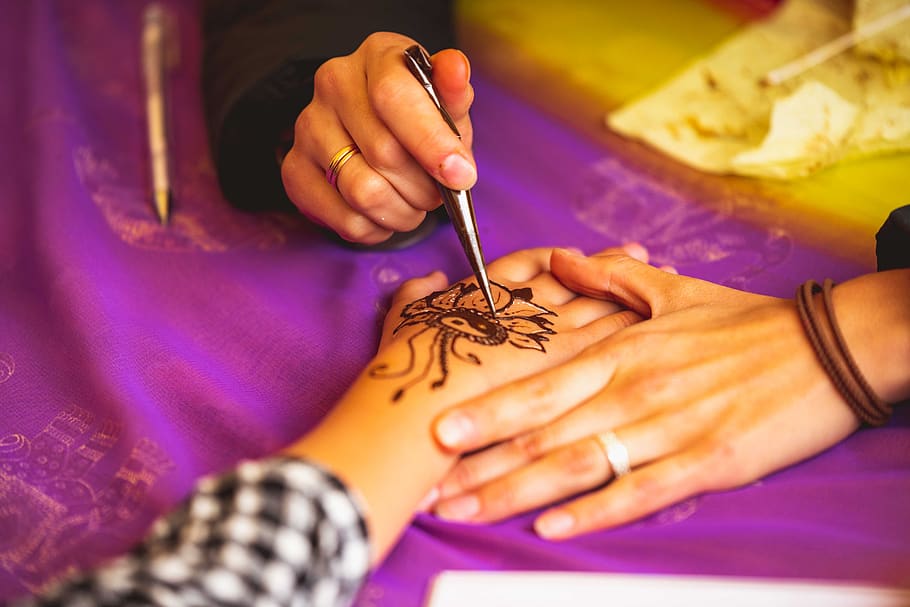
{"type": "Point", "coordinates": [384, 451]}
{"type": "Point", "coordinates": [874, 314]}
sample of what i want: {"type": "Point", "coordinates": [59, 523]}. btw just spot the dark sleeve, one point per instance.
{"type": "Point", "coordinates": [259, 57]}
{"type": "Point", "coordinates": [273, 532]}
{"type": "Point", "coordinates": [892, 243]}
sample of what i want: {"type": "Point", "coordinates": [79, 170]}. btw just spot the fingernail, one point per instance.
{"type": "Point", "coordinates": [636, 250]}
{"type": "Point", "coordinates": [457, 172]}
{"type": "Point", "coordinates": [555, 524]}
{"type": "Point", "coordinates": [429, 499]}
{"type": "Point", "coordinates": [573, 251]}
{"type": "Point", "coordinates": [459, 508]}
{"type": "Point", "coordinates": [453, 430]}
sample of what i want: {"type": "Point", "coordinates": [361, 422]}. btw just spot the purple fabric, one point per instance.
{"type": "Point", "coordinates": [134, 359]}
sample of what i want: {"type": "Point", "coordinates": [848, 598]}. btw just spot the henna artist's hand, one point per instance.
{"type": "Point", "coordinates": [370, 99]}
{"type": "Point", "coordinates": [717, 389]}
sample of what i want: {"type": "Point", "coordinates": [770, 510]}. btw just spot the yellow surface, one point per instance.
{"type": "Point", "coordinates": [609, 51]}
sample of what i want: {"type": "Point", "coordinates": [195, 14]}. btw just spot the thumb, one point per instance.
{"type": "Point", "coordinates": [643, 288]}
{"type": "Point", "coordinates": [410, 291]}
{"type": "Point", "coordinates": [452, 76]}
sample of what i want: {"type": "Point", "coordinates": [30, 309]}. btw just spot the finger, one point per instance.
{"type": "Point", "coordinates": [521, 266]}
{"type": "Point", "coordinates": [631, 497]}
{"type": "Point", "coordinates": [349, 96]}
{"type": "Point", "coordinates": [584, 310]}
{"type": "Point", "coordinates": [306, 187]}
{"type": "Point", "coordinates": [409, 113]}
{"type": "Point", "coordinates": [636, 250]}
{"type": "Point", "coordinates": [410, 291]}
{"type": "Point", "coordinates": [568, 471]}
{"type": "Point", "coordinates": [643, 442]}
{"type": "Point", "coordinates": [368, 192]}
{"type": "Point", "coordinates": [520, 406]}
{"type": "Point", "coordinates": [451, 77]}
{"type": "Point", "coordinates": [475, 470]}
{"type": "Point", "coordinates": [383, 182]}
{"type": "Point", "coordinates": [546, 288]}
{"type": "Point", "coordinates": [644, 288]}
{"type": "Point", "coordinates": [415, 288]}
{"type": "Point", "coordinates": [428, 501]}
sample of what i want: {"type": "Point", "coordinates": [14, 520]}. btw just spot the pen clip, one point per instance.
{"type": "Point", "coordinates": [419, 63]}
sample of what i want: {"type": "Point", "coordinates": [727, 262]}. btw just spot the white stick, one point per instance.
{"type": "Point", "coordinates": [836, 46]}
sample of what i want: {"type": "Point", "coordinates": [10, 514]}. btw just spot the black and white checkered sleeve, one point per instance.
{"type": "Point", "coordinates": [271, 532]}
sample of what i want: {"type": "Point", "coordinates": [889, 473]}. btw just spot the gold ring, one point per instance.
{"type": "Point", "coordinates": [338, 161]}
{"type": "Point", "coordinates": [616, 452]}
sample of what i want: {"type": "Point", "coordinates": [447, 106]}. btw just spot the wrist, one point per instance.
{"type": "Point", "coordinates": [384, 452]}
{"type": "Point", "coordinates": [874, 314]}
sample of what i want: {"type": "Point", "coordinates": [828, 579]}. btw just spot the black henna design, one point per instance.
{"type": "Point", "coordinates": [459, 315]}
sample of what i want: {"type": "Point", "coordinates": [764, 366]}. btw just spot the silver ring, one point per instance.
{"type": "Point", "coordinates": [616, 453]}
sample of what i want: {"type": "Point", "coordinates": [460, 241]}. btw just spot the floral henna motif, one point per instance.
{"type": "Point", "coordinates": [460, 315]}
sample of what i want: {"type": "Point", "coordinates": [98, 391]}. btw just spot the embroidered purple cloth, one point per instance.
{"type": "Point", "coordinates": [134, 358]}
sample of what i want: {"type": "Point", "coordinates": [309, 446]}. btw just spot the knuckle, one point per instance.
{"type": "Point", "coordinates": [626, 318]}
{"type": "Point", "coordinates": [464, 476]}
{"type": "Point", "coordinates": [358, 229]}
{"type": "Point", "coordinates": [380, 40]}
{"type": "Point", "coordinates": [501, 497]}
{"type": "Point", "coordinates": [368, 192]}
{"type": "Point", "coordinates": [580, 458]}
{"type": "Point", "coordinates": [292, 179]}
{"type": "Point", "coordinates": [619, 263]}
{"type": "Point", "coordinates": [304, 123]}
{"type": "Point", "coordinates": [612, 266]}
{"type": "Point", "coordinates": [534, 444]}
{"type": "Point", "coordinates": [718, 466]}
{"type": "Point", "coordinates": [540, 390]}
{"type": "Point", "coordinates": [288, 170]}
{"type": "Point", "coordinates": [646, 488]}
{"type": "Point", "coordinates": [387, 92]}
{"type": "Point", "coordinates": [654, 387]}
{"type": "Point", "coordinates": [326, 80]}
{"type": "Point", "coordinates": [385, 152]}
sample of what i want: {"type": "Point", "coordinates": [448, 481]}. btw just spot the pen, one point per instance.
{"type": "Point", "coordinates": [836, 46]}
{"type": "Point", "coordinates": [458, 203]}
{"type": "Point", "coordinates": [154, 40]}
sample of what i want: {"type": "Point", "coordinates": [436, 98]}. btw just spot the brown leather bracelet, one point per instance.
{"type": "Point", "coordinates": [832, 352]}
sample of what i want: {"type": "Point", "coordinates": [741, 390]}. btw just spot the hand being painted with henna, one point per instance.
{"type": "Point", "coordinates": [440, 346]}
{"type": "Point", "coordinates": [447, 340]}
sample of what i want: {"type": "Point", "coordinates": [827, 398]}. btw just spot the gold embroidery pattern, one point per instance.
{"type": "Point", "coordinates": [624, 205]}
{"type": "Point", "coordinates": [203, 221]}
{"type": "Point", "coordinates": [7, 366]}
{"type": "Point", "coordinates": [49, 507]}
